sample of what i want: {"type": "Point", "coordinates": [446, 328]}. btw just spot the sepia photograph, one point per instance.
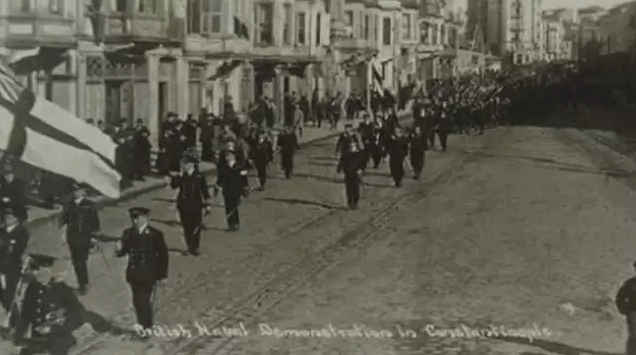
{"type": "Point", "coordinates": [317, 177]}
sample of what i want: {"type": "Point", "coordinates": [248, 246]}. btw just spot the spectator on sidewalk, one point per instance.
{"type": "Point", "coordinates": [14, 239]}
{"type": "Point", "coordinates": [82, 223]}
{"type": "Point", "coordinates": [141, 150]}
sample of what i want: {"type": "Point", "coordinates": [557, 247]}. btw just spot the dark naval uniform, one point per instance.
{"type": "Point", "coordinates": [262, 156]}
{"type": "Point", "coordinates": [418, 146]}
{"type": "Point", "coordinates": [352, 164]}
{"type": "Point", "coordinates": [398, 150]}
{"type": "Point", "coordinates": [82, 222]}
{"type": "Point", "coordinates": [232, 178]}
{"type": "Point", "coordinates": [13, 243]}
{"type": "Point", "coordinates": [192, 199]}
{"type": "Point", "coordinates": [147, 263]}
{"type": "Point", "coordinates": [288, 145]}
{"type": "Point", "coordinates": [13, 192]}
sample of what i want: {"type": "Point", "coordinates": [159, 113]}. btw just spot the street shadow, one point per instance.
{"type": "Point", "coordinates": [308, 176]}
{"type": "Point", "coordinates": [326, 165]}
{"type": "Point", "coordinates": [61, 339]}
{"type": "Point", "coordinates": [166, 200]}
{"type": "Point", "coordinates": [106, 238]}
{"type": "Point", "coordinates": [294, 201]}
{"type": "Point", "coordinates": [325, 158]}
{"type": "Point", "coordinates": [555, 164]}
{"type": "Point", "coordinates": [169, 223]}
{"type": "Point", "coordinates": [178, 251]}
{"type": "Point", "coordinates": [553, 347]}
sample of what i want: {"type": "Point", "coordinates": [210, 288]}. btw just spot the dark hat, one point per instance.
{"type": "Point", "coordinates": [138, 211]}
{"type": "Point", "coordinates": [348, 125]}
{"type": "Point", "coordinates": [123, 121]}
{"type": "Point", "coordinates": [39, 261]}
{"type": "Point", "coordinates": [140, 120]}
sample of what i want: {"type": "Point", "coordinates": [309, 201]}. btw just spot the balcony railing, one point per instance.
{"type": "Point", "coordinates": [37, 30]}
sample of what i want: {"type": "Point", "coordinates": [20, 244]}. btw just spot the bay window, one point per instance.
{"type": "Point", "coordinates": [386, 31]}
{"type": "Point", "coordinates": [265, 23]}
{"type": "Point", "coordinates": [301, 23]}
{"type": "Point", "coordinates": [406, 26]}
{"type": "Point", "coordinates": [287, 25]}
{"type": "Point", "coordinates": [204, 16]}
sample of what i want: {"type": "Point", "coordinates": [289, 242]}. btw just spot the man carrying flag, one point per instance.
{"type": "Point", "coordinates": [42, 134]}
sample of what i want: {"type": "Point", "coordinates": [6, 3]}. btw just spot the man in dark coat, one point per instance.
{"type": "Point", "coordinates": [124, 159]}
{"type": "Point", "coordinates": [344, 142]}
{"type": "Point", "coordinates": [14, 239]}
{"type": "Point", "coordinates": [82, 223]}
{"type": "Point", "coordinates": [147, 254]}
{"type": "Point", "coordinates": [626, 304]}
{"type": "Point", "coordinates": [262, 155]}
{"type": "Point", "coordinates": [142, 149]}
{"type": "Point", "coordinates": [352, 168]}
{"type": "Point", "coordinates": [232, 180]}
{"type": "Point", "coordinates": [190, 132]}
{"type": "Point", "coordinates": [13, 192]}
{"type": "Point", "coordinates": [365, 129]}
{"type": "Point", "coordinates": [398, 150]}
{"type": "Point", "coordinates": [418, 146]}
{"type": "Point", "coordinates": [206, 136]}
{"type": "Point", "coordinates": [287, 145]}
{"type": "Point", "coordinates": [192, 200]}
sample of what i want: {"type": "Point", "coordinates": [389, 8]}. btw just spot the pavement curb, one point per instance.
{"type": "Point", "coordinates": [102, 202]}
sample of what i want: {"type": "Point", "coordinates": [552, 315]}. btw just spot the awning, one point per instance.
{"type": "Point", "coordinates": [35, 59]}
{"type": "Point", "coordinates": [225, 69]}
{"type": "Point", "coordinates": [131, 52]}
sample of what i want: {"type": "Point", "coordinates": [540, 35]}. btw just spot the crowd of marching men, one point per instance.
{"type": "Point", "coordinates": [461, 107]}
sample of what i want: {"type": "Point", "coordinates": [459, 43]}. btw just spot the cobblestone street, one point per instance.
{"type": "Point", "coordinates": [528, 237]}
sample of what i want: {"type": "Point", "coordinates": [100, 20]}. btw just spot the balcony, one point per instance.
{"type": "Point", "coordinates": [31, 30]}
{"type": "Point", "coordinates": [124, 28]}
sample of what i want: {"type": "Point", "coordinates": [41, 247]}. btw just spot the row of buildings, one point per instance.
{"type": "Point", "coordinates": [519, 31]}
{"type": "Point", "coordinates": [128, 59]}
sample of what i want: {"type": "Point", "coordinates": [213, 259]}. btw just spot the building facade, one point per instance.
{"type": "Point", "coordinates": [617, 28]}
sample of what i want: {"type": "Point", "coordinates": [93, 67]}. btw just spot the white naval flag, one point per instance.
{"type": "Point", "coordinates": [42, 134]}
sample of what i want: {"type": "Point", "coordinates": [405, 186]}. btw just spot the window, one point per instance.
{"type": "Point", "coordinates": [55, 6]}
{"type": "Point", "coordinates": [194, 18]}
{"type": "Point", "coordinates": [318, 29]}
{"type": "Point", "coordinates": [406, 26]}
{"type": "Point", "coordinates": [367, 24]}
{"type": "Point", "coordinates": [301, 24]}
{"type": "Point", "coordinates": [376, 26]}
{"type": "Point", "coordinates": [349, 17]}
{"type": "Point", "coordinates": [121, 5]}
{"type": "Point", "coordinates": [25, 6]}
{"type": "Point", "coordinates": [287, 26]}
{"type": "Point", "coordinates": [265, 25]}
{"type": "Point", "coordinates": [154, 7]}
{"type": "Point", "coordinates": [211, 16]}
{"type": "Point", "coordinates": [386, 31]}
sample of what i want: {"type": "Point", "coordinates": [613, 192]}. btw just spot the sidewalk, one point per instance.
{"type": "Point", "coordinates": [38, 215]}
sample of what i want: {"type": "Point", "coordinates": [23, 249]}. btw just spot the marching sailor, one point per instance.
{"type": "Point", "coordinates": [147, 254]}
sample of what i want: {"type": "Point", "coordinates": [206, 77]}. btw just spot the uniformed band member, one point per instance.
{"type": "Point", "coordinates": [147, 254]}
{"type": "Point", "coordinates": [82, 223]}
{"type": "Point", "coordinates": [352, 168]}
{"type": "Point", "coordinates": [14, 239]}
{"type": "Point", "coordinates": [398, 150]}
{"type": "Point", "coordinates": [287, 143]}
{"type": "Point", "coordinates": [192, 199]}
{"type": "Point", "coordinates": [232, 180]}
{"type": "Point", "coordinates": [418, 146]}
